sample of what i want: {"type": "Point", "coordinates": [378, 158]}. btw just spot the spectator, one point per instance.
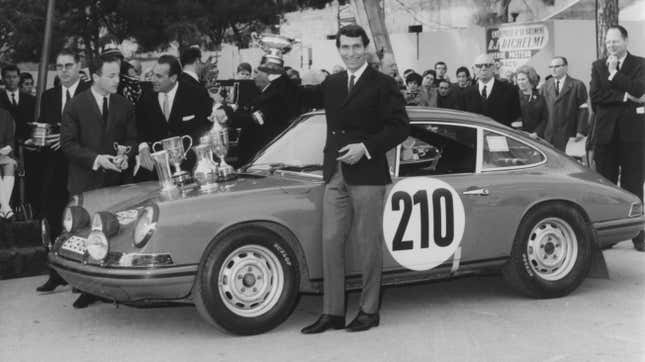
{"type": "Point", "coordinates": [412, 94]}
{"type": "Point", "coordinates": [491, 97]}
{"type": "Point", "coordinates": [7, 163]}
{"type": "Point", "coordinates": [388, 66]}
{"type": "Point", "coordinates": [244, 71]}
{"type": "Point", "coordinates": [534, 112]}
{"type": "Point", "coordinates": [428, 89]}
{"type": "Point", "coordinates": [446, 95]}
{"type": "Point", "coordinates": [26, 83]}
{"type": "Point", "coordinates": [463, 78]}
{"type": "Point", "coordinates": [566, 103]}
{"type": "Point", "coordinates": [191, 62]}
{"type": "Point", "coordinates": [441, 70]}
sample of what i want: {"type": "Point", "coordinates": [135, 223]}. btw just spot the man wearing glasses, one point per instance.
{"type": "Point", "coordinates": [491, 97]}
{"type": "Point", "coordinates": [566, 103]}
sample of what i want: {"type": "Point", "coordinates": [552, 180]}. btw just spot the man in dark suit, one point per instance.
{"type": "Point", "coordinates": [491, 97]}
{"type": "Point", "coordinates": [617, 88]}
{"type": "Point", "coordinates": [21, 106]}
{"type": "Point", "coordinates": [365, 118]}
{"type": "Point", "coordinates": [53, 192]}
{"type": "Point", "coordinates": [566, 103]}
{"type": "Point", "coordinates": [171, 108]}
{"type": "Point", "coordinates": [271, 111]}
{"type": "Point", "coordinates": [191, 62]}
{"type": "Point", "coordinates": [92, 122]}
{"type": "Point", "coordinates": [447, 95]}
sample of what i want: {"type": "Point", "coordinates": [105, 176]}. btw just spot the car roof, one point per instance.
{"type": "Point", "coordinates": [443, 114]}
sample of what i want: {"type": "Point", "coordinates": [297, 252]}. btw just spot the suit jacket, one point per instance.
{"type": "Point", "coordinates": [502, 104]}
{"type": "Point", "coordinates": [278, 105]}
{"type": "Point", "coordinates": [534, 113]}
{"type": "Point", "coordinates": [373, 113]}
{"type": "Point", "coordinates": [188, 116]}
{"type": "Point", "coordinates": [567, 112]}
{"type": "Point", "coordinates": [612, 114]}
{"type": "Point", "coordinates": [51, 103]}
{"type": "Point", "coordinates": [23, 114]}
{"type": "Point", "coordinates": [84, 136]}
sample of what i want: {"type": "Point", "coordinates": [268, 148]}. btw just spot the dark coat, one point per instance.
{"type": "Point", "coordinates": [23, 114]}
{"type": "Point", "coordinates": [612, 114]}
{"type": "Point", "coordinates": [534, 113]}
{"type": "Point", "coordinates": [278, 105]}
{"type": "Point", "coordinates": [372, 113]}
{"type": "Point", "coordinates": [567, 112]}
{"type": "Point", "coordinates": [502, 104]}
{"type": "Point", "coordinates": [84, 136]}
{"type": "Point", "coordinates": [450, 100]}
{"type": "Point", "coordinates": [7, 130]}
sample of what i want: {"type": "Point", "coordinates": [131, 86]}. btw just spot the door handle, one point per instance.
{"type": "Point", "coordinates": [477, 192]}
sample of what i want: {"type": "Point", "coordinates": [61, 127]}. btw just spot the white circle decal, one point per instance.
{"type": "Point", "coordinates": [423, 222]}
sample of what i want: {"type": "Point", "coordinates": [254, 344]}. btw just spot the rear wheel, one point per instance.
{"type": "Point", "coordinates": [551, 253]}
{"type": "Point", "coordinates": [247, 282]}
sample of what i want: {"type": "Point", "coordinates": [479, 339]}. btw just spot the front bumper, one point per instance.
{"type": "Point", "coordinates": [127, 284]}
{"type": "Point", "coordinates": [614, 231]}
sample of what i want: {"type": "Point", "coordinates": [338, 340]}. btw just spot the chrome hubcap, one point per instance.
{"type": "Point", "coordinates": [251, 281]}
{"type": "Point", "coordinates": [552, 248]}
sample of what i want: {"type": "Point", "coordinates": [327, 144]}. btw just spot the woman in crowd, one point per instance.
{"type": "Point", "coordinates": [7, 163]}
{"type": "Point", "coordinates": [428, 89]}
{"type": "Point", "coordinates": [534, 112]}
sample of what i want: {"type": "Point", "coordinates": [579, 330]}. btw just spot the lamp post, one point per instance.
{"type": "Point", "coordinates": [44, 56]}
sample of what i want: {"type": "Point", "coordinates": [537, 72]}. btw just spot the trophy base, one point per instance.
{"type": "Point", "coordinates": [226, 173]}
{"type": "Point", "coordinates": [208, 188]}
{"type": "Point", "coordinates": [181, 178]}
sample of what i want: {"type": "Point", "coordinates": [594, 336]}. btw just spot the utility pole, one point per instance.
{"type": "Point", "coordinates": [44, 56]}
{"type": "Point", "coordinates": [606, 15]}
{"type": "Point", "coordinates": [371, 15]}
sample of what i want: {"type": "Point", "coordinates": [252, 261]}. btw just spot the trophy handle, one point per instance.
{"type": "Point", "coordinates": [128, 149]}
{"type": "Point", "coordinates": [190, 145]}
{"type": "Point", "coordinates": [116, 146]}
{"type": "Point", "coordinates": [154, 146]}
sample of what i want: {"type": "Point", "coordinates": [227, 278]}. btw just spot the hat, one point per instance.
{"type": "Point", "coordinates": [111, 51]}
{"type": "Point", "coordinates": [272, 64]}
{"type": "Point", "coordinates": [244, 66]}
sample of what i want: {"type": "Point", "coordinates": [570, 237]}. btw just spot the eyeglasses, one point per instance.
{"type": "Point", "coordinates": [484, 65]}
{"type": "Point", "coordinates": [67, 66]}
{"type": "Point", "coordinates": [556, 66]}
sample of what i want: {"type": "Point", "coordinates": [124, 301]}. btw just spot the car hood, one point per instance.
{"type": "Point", "coordinates": [133, 195]}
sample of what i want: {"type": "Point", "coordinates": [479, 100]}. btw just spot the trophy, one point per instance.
{"type": "Point", "coordinates": [175, 148]}
{"type": "Point", "coordinates": [40, 132]}
{"type": "Point", "coordinates": [219, 145]}
{"type": "Point", "coordinates": [205, 172]}
{"type": "Point", "coordinates": [162, 166]}
{"type": "Point", "coordinates": [121, 158]}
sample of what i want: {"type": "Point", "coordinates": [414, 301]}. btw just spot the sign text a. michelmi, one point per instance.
{"type": "Point", "coordinates": [514, 45]}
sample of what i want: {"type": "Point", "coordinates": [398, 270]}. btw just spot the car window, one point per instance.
{"type": "Point", "coordinates": [302, 145]}
{"type": "Point", "coordinates": [502, 151]}
{"type": "Point", "coordinates": [436, 149]}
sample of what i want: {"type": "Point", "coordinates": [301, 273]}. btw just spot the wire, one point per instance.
{"type": "Point", "coordinates": [432, 25]}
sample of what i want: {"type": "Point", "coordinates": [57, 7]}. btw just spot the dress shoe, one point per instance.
{"type": "Point", "coordinates": [325, 322]}
{"type": "Point", "coordinates": [84, 300]}
{"type": "Point", "coordinates": [363, 322]}
{"type": "Point", "coordinates": [54, 281]}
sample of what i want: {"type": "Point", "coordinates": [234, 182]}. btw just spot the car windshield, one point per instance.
{"type": "Point", "coordinates": [300, 148]}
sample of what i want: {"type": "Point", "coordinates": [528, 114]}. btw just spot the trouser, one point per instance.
{"type": "Point", "coordinates": [346, 206]}
{"type": "Point", "coordinates": [53, 192]}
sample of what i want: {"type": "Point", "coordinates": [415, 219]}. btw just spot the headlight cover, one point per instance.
{"type": "Point", "coordinates": [74, 218]}
{"type": "Point", "coordinates": [146, 225]}
{"type": "Point", "coordinates": [106, 222]}
{"type": "Point", "coordinates": [97, 245]}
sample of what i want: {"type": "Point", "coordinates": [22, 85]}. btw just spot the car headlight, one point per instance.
{"type": "Point", "coordinates": [74, 218]}
{"type": "Point", "coordinates": [106, 222]}
{"type": "Point", "coordinates": [146, 225]}
{"type": "Point", "coordinates": [97, 245]}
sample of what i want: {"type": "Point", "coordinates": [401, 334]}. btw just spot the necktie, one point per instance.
{"type": "Point", "coordinates": [557, 87]}
{"type": "Point", "coordinates": [618, 67]}
{"type": "Point", "coordinates": [484, 93]}
{"type": "Point", "coordinates": [105, 110]}
{"type": "Point", "coordinates": [13, 99]}
{"type": "Point", "coordinates": [165, 106]}
{"type": "Point", "coordinates": [351, 82]}
{"type": "Point", "coordinates": [67, 97]}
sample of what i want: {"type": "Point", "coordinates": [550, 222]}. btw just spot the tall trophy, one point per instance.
{"type": "Point", "coordinates": [176, 154]}
{"type": "Point", "coordinates": [219, 146]}
{"type": "Point", "coordinates": [162, 166]}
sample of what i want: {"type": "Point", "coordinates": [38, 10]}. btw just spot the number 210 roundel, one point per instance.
{"type": "Point", "coordinates": [423, 222]}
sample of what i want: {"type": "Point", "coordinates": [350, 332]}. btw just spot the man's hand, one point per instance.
{"type": "Point", "coordinates": [517, 124]}
{"type": "Point", "coordinates": [5, 150]}
{"type": "Point", "coordinates": [107, 162]}
{"type": "Point", "coordinates": [53, 141]}
{"type": "Point", "coordinates": [29, 145]}
{"type": "Point", "coordinates": [146, 159]}
{"type": "Point", "coordinates": [612, 63]}
{"type": "Point", "coordinates": [352, 153]}
{"type": "Point", "coordinates": [578, 137]}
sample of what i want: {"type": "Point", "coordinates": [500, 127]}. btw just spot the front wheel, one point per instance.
{"type": "Point", "coordinates": [247, 282]}
{"type": "Point", "coordinates": [551, 253]}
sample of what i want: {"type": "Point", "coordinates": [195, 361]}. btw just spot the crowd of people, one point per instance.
{"type": "Point", "coordinates": [182, 96]}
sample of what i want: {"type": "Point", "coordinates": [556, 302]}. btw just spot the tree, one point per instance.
{"type": "Point", "coordinates": [606, 15]}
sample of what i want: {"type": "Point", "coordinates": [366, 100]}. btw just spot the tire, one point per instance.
{"type": "Point", "coordinates": [247, 281]}
{"type": "Point", "coordinates": [551, 253]}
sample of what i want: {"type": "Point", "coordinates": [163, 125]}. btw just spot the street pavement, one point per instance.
{"type": "Point", "coordinates": [468, 319]}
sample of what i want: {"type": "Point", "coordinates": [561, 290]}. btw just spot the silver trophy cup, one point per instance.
{"type": "Point", "coordinates": [162, 166]}
{"type": "Point", "coordinates": [219, 146]}
{"type": "Point", "coordinates": [176, 154]}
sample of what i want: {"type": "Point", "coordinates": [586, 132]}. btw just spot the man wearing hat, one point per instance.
{"type": "Point", "coordinates": [271, 112]}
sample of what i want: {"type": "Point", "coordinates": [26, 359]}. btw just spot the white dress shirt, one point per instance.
{"type": "Point", "coordinates": [561, 84]}
{"type": "Point", "coordinates": [621, 62]}
{"type": "Point", "coordinates": [171, 98]}
{"type": "Point", "coordinates": [16, 96]}
{"type": "Point", "coordinates": [489, 86]}
{"type": "Point", "coordinates": [71, 90]}
{"type": "Point", "coordinates": [99, 101]}
{"type": "Point", "coordinates": [357, 75]}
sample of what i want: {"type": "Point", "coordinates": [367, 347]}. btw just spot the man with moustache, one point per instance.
{"type": "Point", "coordinates": [92, 122]}
{"type": "Point", "coordinates": [171, 108]}
{"type": "Point", "coordinates": [53, 192]}
{"type": "Point", "coordinates": [618, 96]}
{"type": "Point", "coordinates": [366, 117]}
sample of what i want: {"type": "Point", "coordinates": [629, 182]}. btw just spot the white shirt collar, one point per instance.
{"type": "Point", "coordinates": [489, 86]}
{"type": "Point", "coordinates": [192, 74]}
{"type": "Point", "coordinates": [171, 97]}
{"type": "Point", "coordinates": [621, 60]}
{"type": "Point", "coordinates": [357, 74]}
{"type": "Point", "coordinates": [72, 88]}
{"type": "Point", "coordinates": [561, 82]}
{"type": "Point", "coordinates": [99, 99]}
{"type": "Point", "coordinates": [16, 94]}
